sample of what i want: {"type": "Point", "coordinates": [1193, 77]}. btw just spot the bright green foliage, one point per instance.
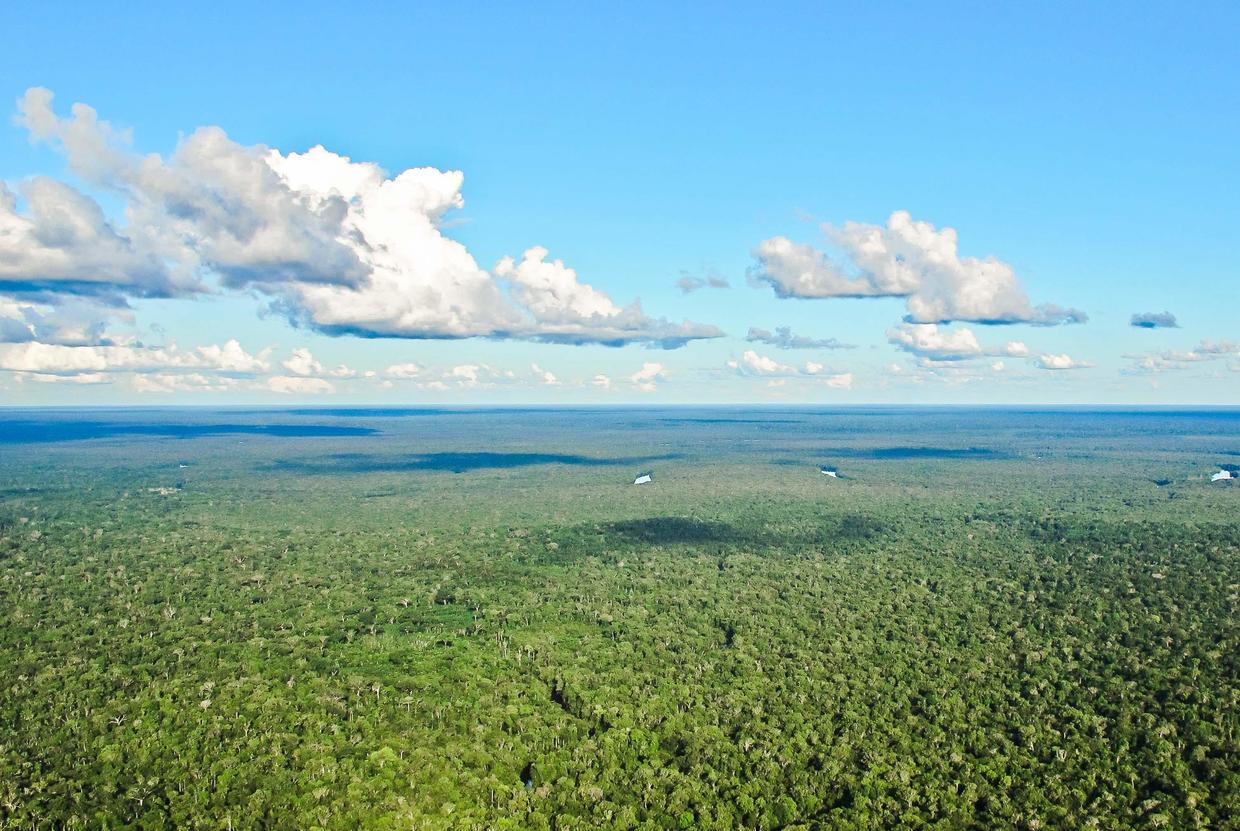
{"type": "Point", "coordinates": [318, 633]}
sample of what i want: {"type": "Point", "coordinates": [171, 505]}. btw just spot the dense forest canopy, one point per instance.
{"type": "Point", "coordinates": [338, 619]}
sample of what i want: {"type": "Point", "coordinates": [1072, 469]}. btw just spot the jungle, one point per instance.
{"type": "Point", "coordinates": [435, 618]}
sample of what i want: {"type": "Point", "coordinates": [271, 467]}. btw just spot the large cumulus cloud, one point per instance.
{"type": "Point", "coordinates": [335, 245]}
{"type": "Point", "coordinates": [907, 259]}
{"type": "Point", "coordinates": [63, 244]}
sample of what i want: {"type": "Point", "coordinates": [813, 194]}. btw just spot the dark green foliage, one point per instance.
{"type": "Point", "coordinates": [1035, 638]}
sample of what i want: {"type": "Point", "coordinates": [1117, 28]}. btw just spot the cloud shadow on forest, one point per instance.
{"type": "Point", "coordinates": [908, 453]}
{"type": "Point", "coordinates": [345, 463]}
{"type": "Point", "coordinates": [407, 412]}
{"type": "Point", "coordinates": [674, 530]}
{"type": "Point", "coordinates": [31, 432]}
{"type": "Point", "coordinates": [669, 530]}
{"type": "Point", "coordinates": [687, 420]}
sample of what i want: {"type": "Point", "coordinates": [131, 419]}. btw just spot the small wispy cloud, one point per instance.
{"type": "Point", "coordinates": [710, 279]}
{"type": "Point", "coordinates": [1154, 320]}
{"type": "Point", "coordinates": [1175, 359]}
{"type": "Point", "coordinates": [784, 338]}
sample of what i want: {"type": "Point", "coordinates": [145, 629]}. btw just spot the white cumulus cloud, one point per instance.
{"type": "Point", "coordinates": [843, 381]}
{"type": "Point", "coordinates": [935, 343]}
{"type": "Point", "coordinates": [58, 359]}
{"type": "Point", "coordinates": [81, 378]}
{"type": "Point", "coordinates": [907, 259]}
{"type": "Point", "coordinates": [565, 310]}
{"type": "Point", "coordinates": [80, 322]}
{"type": "Point", "coordinates": [647, 378]}
{"type": "Point", "coordinates": [303, 362]}
{"type": "Point", "coordinates": [64, 243]}
{"type": "Point", "coordinates": [544, 377]}
{"type": "Point", "coordinates": [752, 365]}
{"type": "Point", "coordinates": [188, 382]}
{"type": "Point", "coordinates": [469, 376]}
{"type": "Point", "coordinates": [929, 340]}
{"type": "Point", "coordinates": [405, 371]}
{"type": "Point", "coordinates": [298, 385]}
{"type": "Point", "coordinates": [1058, 362]}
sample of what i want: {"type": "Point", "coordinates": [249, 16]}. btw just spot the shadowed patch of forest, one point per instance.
{"type": "Point", "coordinates": [58, 431]}
{"type": "Point", "coordinates": [405, 412]}
{"type": "Point", "coordinates": [672, 530]}
{"type": "Point", "coordinates": [762, 421]}
{"type": "Point", "coordinates": [452, 462]}
{"type": "Point", "coordinates": [912, 453]}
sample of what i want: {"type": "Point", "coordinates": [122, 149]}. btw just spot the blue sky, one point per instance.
{"type": "Point", "coordinates": [1092, 151]}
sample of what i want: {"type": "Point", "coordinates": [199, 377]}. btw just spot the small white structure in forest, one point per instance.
{"type": "Point", "coordinates": [830, 471]}
{"type": "Point", "coordinates": [643, 479]}
{"type": "Point", "coordinates": [1222, 475]}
